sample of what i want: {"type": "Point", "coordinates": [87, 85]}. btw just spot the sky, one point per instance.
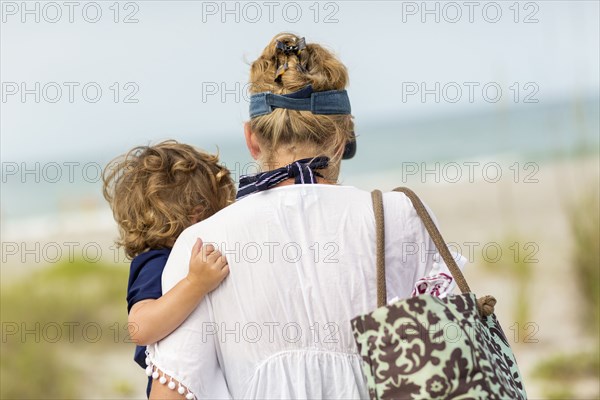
{"type": "Point", "coordinates": [106, 76]}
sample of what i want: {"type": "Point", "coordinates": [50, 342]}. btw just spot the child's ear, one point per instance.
{"type": "Point", "coordinates": [251, 141]}
{"type": "Point", "coordinates": [196, 214]}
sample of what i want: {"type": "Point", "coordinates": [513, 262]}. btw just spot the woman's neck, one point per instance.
{"type": "Point", "coordinates": [284, 158]}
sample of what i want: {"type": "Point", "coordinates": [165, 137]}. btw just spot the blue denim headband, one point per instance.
{"type": "Point", "coordinates": [328, 102]}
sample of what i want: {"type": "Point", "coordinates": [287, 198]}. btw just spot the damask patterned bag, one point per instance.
{"type": "Point", "coordinates": [425, 347]}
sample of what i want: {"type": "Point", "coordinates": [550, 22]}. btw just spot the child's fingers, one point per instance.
{"type": "Point", "coordinates": [197, 247]}
{"type": "Point", "coordinates": [212, 257]}
{"type": "Point", "coordinates": [217, 258]}
{"type": "Point", "coordinates": [208, 249]}
{"type": "Point", "coordinates": [225, 270]}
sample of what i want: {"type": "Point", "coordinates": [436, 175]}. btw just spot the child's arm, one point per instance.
{"type": "Point", "coordinates": [152, 320]}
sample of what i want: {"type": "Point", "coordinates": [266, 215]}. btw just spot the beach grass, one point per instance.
{"type": "Point", "coordinates": [49, 317]}
{"type": "Point", "coordinates": [560, 371]}
{"type": "Point", "coordinates": [585, 225]}
{"type": "Point", "coordinates": [517, 262]}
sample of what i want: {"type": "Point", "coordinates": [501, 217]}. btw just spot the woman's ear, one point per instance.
{"type": "Point", "coordinates": [251, 141]}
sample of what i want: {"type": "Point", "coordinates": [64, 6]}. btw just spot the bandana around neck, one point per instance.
{"type": "Point", "coordinates": [303, 171]}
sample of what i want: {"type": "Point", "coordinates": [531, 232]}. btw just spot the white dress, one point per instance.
{"type": "Point", "coordinates": [302, 265]}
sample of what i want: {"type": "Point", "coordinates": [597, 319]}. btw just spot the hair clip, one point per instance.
{"type": "Point", "coordinates": [287, 49]}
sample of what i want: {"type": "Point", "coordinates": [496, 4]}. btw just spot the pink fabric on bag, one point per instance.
{"type": "Point", "coordinates": [439, 282]}
{"type": "Point", "coordinates": [436, 285]}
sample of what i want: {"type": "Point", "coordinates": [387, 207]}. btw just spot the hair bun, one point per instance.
{"type": "Point", "coordinates": [288, 64]}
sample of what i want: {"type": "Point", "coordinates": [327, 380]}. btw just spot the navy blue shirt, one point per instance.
{"type": "Point", "coordinates": [145, 283]}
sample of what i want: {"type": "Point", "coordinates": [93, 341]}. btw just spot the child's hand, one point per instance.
{"type": "Point", "coordinates": [208, 267]}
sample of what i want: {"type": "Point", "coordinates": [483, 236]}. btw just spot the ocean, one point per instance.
{"type": "Point", "coordinates": [38, 198]}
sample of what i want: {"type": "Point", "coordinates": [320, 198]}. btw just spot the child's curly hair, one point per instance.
{"type": "Point", "coordinates": [155, 192]}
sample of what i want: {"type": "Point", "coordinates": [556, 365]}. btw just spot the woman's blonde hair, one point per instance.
{"type": "Point", "coordinates": [320, 134]}
{"type": "Point", "coordinates": [155, 192]}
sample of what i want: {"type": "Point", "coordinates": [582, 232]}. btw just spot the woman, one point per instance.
{"type": "Point", "coordinates": [301, 250]}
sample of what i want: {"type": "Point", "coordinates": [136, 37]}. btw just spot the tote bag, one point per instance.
{"type": "Point", "coordinates": [425, 347]}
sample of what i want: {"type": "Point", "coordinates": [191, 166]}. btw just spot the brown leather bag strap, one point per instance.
{"type": "Point", "coordinates": [377, 198]}
{"type": "Point", "coordinates": [437, 238]}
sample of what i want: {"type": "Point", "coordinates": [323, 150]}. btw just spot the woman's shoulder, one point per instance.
{"type": "Point", "coordinates": [397, 200]}
{"type": "Point", "coordinates": [225, 218]}
{"type": "Point", "coordinates": [398, 206]}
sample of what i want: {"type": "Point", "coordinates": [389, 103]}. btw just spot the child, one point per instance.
{"type": "Point", "coordinates": [155, 192]}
